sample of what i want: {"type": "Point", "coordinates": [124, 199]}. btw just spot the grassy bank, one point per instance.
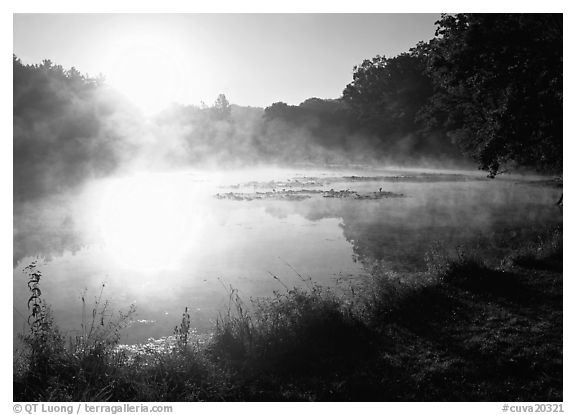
{"type": "Point", "coordinates": [461, 331]}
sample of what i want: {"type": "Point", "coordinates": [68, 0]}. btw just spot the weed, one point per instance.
{"type": "Point", "coordinates": [460, 331]}
{"type": "Point", "coordinates": [544, 253]}
{"type": "Point", "coordinates": [44, 341]}
{"type": "Point", "coordinates": [182, 332]}
{"type": "Point", "coordinates": [294, 331]}
{"type": "Point", "coordinates": [459, 268]}
{"type": "Point", "coordinates": [50, 369]}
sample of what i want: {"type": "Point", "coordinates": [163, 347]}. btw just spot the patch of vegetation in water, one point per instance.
{"type": "Point", "coordinates": [378, 195]}
{"type": "Point", "coordinates": [299, 195]}
{"type": "Point", "coordinates": [288, 195]}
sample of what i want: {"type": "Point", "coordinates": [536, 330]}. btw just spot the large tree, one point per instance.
{"type": "Point", "coordinates": [498, 81]}
{"type": "Point", "coordinates": [387, 96]}
{"type": "Point", "coordinates": [387, 93]}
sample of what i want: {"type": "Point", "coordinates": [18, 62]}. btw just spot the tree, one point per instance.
{"type": "Point", "coordinates": [221, 108]}
{"type": "Point", "coordinates": [387, 93]}
{"type": "Point", "coordinates": [277, 110]}
{"type": "Point", "coordinates": [62, 133]}
{"type": "Point", "coordinates": [498, 80]}
{"type": "Point", "coordinates": [387, 96]}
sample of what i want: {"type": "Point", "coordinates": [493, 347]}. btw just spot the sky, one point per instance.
{"type": "Point", "coordinates": [254, 59]}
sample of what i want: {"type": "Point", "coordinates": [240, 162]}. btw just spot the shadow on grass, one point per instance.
{"type": "Point", "coordinates": [297, 332]}
{"type": "Point", "coordinates": [544, 254]}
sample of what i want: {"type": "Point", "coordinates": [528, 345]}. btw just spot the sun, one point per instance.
{"type": "Point", "coordinates": [149, 73]}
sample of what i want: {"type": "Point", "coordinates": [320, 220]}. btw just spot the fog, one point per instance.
{"type": "Point", "coordinates": [167, 240]}
{"type": "Point", "coordinates": [288, 207]}
{"type": "Point", "coordinates": [168, 208]}
{"type": "Point", "coordinates": [69, 129]}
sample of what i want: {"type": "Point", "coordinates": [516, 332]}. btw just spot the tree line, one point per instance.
{"type": "Point", "coordinates": [487, 87]}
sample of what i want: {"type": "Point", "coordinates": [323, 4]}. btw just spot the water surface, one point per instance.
{"type": "Point", "coordinates": [164, 241]}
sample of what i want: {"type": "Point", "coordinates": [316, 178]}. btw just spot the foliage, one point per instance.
{"type": "Point", "coordinates": [462, 331]}
{"type": "Point", "coordinates": [457, 267]}
{"type": "Point", "coordinates": [182, 332]}
{"type": "Point", "coordinates": [63, 129]}
{"type": "Point", "coordinates": [221, 108]}
{"type": "Point", "coordinates": [354, 129]}
{"type": "Point", "coordinates": [297, 332]}
{"type": "Point", "coordinates": [498, 84]}
{"type": "Point", "coordinates": [327, 123]}
{"type": "Point", "coordinates": [388, 92]}
{"type": "Point", "coordinates": [386, 97]}
{"type": "Point", "coordinates": [44, 341]}
{"type": "Point", "coordinates": [50, 369]}
{"type": "Point", "coordinates": [546, 252]}
{"type": "Point", "coordinates": [101, 331]}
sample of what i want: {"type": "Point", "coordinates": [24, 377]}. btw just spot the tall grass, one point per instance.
{"type": "Point", "coordinates": [545, 252]}
{"type": "Point", "coordinates": [298, 344]}
{"type": "Point", "coordinates": [56, 369]}
{"type": "Point", "coordinates": [295, 330]}
{"type": "Point", "coordinates": [93, 366]}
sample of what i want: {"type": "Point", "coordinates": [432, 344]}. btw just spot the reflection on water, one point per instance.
{"type": "Point", "coordinates": [164, 241]}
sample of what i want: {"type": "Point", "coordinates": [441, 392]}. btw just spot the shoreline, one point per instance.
{"type": "Point", "coordinates": [472, 332]}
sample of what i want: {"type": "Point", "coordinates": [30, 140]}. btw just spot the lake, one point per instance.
{"type": "Point", "coordinates": [169, 240]}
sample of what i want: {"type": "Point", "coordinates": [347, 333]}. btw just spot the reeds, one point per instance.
{"type": "Point", "coordinates": [309, 343]}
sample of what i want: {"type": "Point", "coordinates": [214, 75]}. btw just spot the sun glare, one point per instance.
{"type": "Point", "coordinates": [146, 223]}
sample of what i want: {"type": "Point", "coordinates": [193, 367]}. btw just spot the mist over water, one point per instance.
{"type": "Point", "coordinates": [168, 240]}
{"type": "Point", "coordinates": [222, 208]}
{"type": "Point", "coordinates": [170, 211]}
